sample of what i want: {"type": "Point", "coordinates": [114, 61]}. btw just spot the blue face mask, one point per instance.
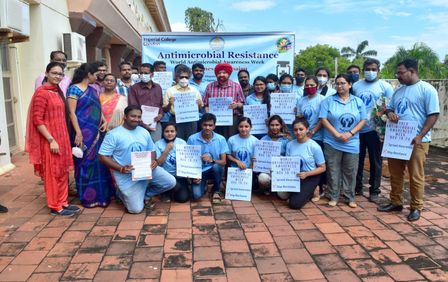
{"type": "Point", "coordinates": [353, 77]}
{"type": "Point", "coordinates": [285, 88]}
{"type": "Point", "coordinates": [370, 75]}
{"type": "Point", "coordinates": [271, 86]}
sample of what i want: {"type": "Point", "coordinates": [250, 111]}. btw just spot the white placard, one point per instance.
{"type": "Point", "coordinates": [263, 153]}
{"type": "Point", "coordinates": [398, 139]}
{"type": "Point", "coordinates": [239, 184]}
{"type": "Point", "coordinates": [283, 104]}
{"type": "Point", "coordinates": [188, 161]}
{"type": "Point", "coordinates": [164, 79]}
{"type": "Point", "coordinates": [284, 174]}
{"type": "Point", "coordinates": [219, 106]}
{"type": "Point", "coordinates": [258, 114]}
{"type": "Point", "coordinates": [141, 163]}
{"type": "Point", "coordinates": [186, 107]}
{"type": "Point", "coordinates": [149, 114]}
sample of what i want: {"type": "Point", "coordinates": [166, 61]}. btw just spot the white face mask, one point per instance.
{"type": "Point", "coordinates": [183, 82]}
{"type": "Point", "coordinates": [322, 80]}
{"type": "Point", "coordinates": [135, 78]}
{"type": "Point", "coordinates": [370, 75]}
{"type": "Point", "coordinates": [145, 77]}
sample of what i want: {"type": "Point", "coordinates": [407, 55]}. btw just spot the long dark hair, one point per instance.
{"type": "Point", "coordinates": [83, 72]}
{"type": "Point", "coordinates": [284, 128]}
{"type": "Point", "coordinates": [266, 95]}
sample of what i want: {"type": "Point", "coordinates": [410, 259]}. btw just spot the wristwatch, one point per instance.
{"type": "Point", "coordinates": [213, 161]}
{"type": "Point", "coordinates": [50, 139]}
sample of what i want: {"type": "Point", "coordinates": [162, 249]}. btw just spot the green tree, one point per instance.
{"type": "Point", "coordinates": [429, 64]}
{"type": "Point", "coordinates": [360, 53]}
{"type": "Point", "coordinates": [319, 55]}
{"type": "Point", "coordinates": [198, 20]}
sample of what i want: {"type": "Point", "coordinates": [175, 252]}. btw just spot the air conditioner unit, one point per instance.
{"type": "Point", "coordinates": [74, 45]}
{"type": "Point", "coordinates": [14, 20]}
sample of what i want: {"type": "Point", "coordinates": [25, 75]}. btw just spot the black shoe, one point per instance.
{"type": "Point", "coordinates": [72, 208]}
{"type": "Point", "coordinates": [63, 212]}
{"type": "Point", "coordinates": [414, 215]}
{"type": "Point", "coordinates": [3, 209]}
{"type": "Point", "coordinates": [374, 198]}
{"type": "Point", "coordinates": [358, 193]}
{"type": "Point", "coordinates": [390, 208]}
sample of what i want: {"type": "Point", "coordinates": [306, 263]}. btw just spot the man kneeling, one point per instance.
{"type": "Point", "coordinates": [115, 152]}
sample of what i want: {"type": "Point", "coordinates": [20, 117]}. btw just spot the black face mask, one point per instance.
{"type": "Point", "coordinates": [300, 79]}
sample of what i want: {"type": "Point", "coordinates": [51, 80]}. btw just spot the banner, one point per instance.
{"type": "Point", "coordinates": [398, 138]}
{"type": "Point", "coordinates": [260, 53]}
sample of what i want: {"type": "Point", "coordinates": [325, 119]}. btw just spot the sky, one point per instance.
{"type": "Point", "coordinates": [386, 24]}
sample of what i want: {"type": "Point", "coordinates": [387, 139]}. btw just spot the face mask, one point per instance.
{"type": "Point", "coordinates": [183, 82]}
{"type": "Point", "coordinates": [135, 78]}
{"type": "Point", "coordinates": [353, 77]}
{"type": "Point", "coordinates": [322, 80]}
{"type": "Point", "coordinates": [370, 75]}
{"type": "Point", "coordinates": [271, 86]}
{"type": "Point", "coordinates": [145, 77]}
{"type": "Point", "coordinates": [300, 79]}
{"type": "Point", "coordinates": [285, 88]}
{"type": "Point", "coordinates": [310, 91]}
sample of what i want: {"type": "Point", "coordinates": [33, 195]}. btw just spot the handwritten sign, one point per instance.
{"type": "Point", "coordinates": [149, 114]}
{"type": "Point", "coordinates": [219, 106]}
{"type": "Point", "coordinates": [398, 139]}
{"type": "Point", "coordinates": [263, 153]}
{"type": "Point", "coordinates": [141, 162]}
{"type": "Point", "coordinates": [164, 79]}
{"type": "Point", "coordinates": [186, 107]}
{"type": "Point", "coordinates": [239, 184]}
{"type": "Point", "coordinates": [188, 161]}
{"type": "Point", "coordinates": [258, 114]}
{"type": "Point", "coordinates": [284, 174]}
{"type": "Point", "coordinates": [283, 104]}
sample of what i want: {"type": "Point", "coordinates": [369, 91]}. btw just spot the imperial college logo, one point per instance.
{"type": "Point", "coordinates": [217, 43]}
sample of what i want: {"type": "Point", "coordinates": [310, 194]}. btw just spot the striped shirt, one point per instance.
{"type": "Point", "coordinates": [230, 89]}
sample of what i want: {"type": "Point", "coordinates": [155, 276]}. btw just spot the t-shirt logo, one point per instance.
{"type": "Point", "coordinates": [367, 98]}
{"type": "Point", "coordinates": [171, 160]}
{"type": "Point", "coordinates": [243, 155]}
{"type": "Point", "coordinates": [308, 113]}
{"type": "Point", "coordinates": [402, 106]}
{"type": "Point", "coordinates": [137, 147]}
{"type": "Point", "coordinates": [347, 121]}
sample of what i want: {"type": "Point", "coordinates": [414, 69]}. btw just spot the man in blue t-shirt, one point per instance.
{"type": "Point", "coordinates": [418, 101]}
{"type": "Point", "coordinates": [115, 153]}
{"type": "Point", "coordinates": [370, 90]}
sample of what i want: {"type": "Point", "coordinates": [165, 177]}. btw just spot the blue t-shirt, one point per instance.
{"type": "Point", "coordinates": [370, 92]}
{"type": "Point", "coordinates": [170, 162]}
{"type": "Point", "coordinates": [415, 102]}
{"type": "Point", "coordinates": [201, 88]}
{"type": "Point", "coordinates": [215, 147]}
{"type": "Point", "coordinates": [252, 100]}
{"type": "Point", "coordinates": [242, 148]}
{"type": "Point", "coordinates": [343, 117]}
{"type": "Point", "coordinates": [310, 154]}
{"type": "Point", "coordinates": [309, 108]}
{"type": "Point", "coordinates": [298, 90]}
{"type": "Point", "coordinates": [119, 143]}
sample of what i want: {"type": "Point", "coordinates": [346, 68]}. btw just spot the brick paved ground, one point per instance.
{"type": "Point", "coordinates": [261, 240]}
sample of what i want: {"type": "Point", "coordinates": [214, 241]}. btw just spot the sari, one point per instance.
{"type": "Point", "coordinates": [93, 179]}
{"type": "Point", "coordinates": [113, 109]}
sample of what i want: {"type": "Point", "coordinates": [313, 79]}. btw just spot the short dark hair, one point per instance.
{"type": "Point", "coordinates": [354, 66]}
{"type": "Point", "coordinates": [147, 65]}
{"type": "Point", "coordinates": [158, 63]}
{"type": "Point", "coordinates": [208, 117]}
{"type": "Point", "coordinates": [197, 66]}
{"type": "Point", "coordinates": [324, 69]}
{"type": "Point", "coordinates": [124, 63]}
{"type": "Point", "coordinates": [285, 75]}
{"type": "Point", "coordinates": [272, 76]}
{"type": "Point", "coordinates": [246, 71]}
{"type": "Point", "coordinates": [344, 76]}
{"type": "Point", "coordinates": [370, 61]}
{"type": "Point", "coordinates": [300, 69]}
{"type": "Point", "coordinates": [111, 74]}
{"type": "Point", "coordinates": [98, 64]}
{"type": "Point", "coordinates": [244, 119]}
{"type": "Point", "coordinates": [54, 53]}
{"type": "Point", "coordinates": [409, 63]}
{"type": "Point", "coordinates": [170, 123]}
{"type": "Point", "coordinates": [182, 68]}
{"type": "Point", "coordinates": [301, 120]}
{"type": "Point", "coordinates": [130, 108]}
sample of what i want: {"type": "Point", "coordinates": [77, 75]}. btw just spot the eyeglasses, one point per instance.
{"type": "Point", "coordinates": [340, 83]}
{"type": "Point", "coordinates": [183, 76]}
{"type": "Point", "coordinates": [57, 73]}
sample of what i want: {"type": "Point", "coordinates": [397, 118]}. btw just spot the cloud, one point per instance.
{"type": "Point", "coordinates": [248, 6]}
{"type": "Point", "coordinates": [179, 26]}
{"type": "Point", "coordinates": [387, 12]}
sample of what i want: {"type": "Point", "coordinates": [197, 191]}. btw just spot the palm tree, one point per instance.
{"type": "Point", "coordinates": [359, 53]}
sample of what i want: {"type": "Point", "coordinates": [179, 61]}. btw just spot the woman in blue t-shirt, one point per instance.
{"type": "Point", "coordinates": [242, 145]}
{"type": "Point", "coordinates": [166, 158]}
{"type": "Point", "coordinates": [312, 163]}
{"type": "Point", "coordinates": [342, 115]}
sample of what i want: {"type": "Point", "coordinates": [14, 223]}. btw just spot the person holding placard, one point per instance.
{"type": "Point", "coordinates": [312, 163]}
{"type": "Point", "coordinates": [277, 132]}
{"type": "Point", "coordinates": [115, 153]}
{"type": "Point", "coordinates": [242, 145]}
{"type": "Point", "coordinates": [224, 87]}
{"type": "Point", "coordinates": [308, 107]}
{"type": "Point", "coordinates": [342, 116]}
{"type": "Point", "coordinates": [214, 150]}
{"type": "Point", "coordinates": [418, 101]}
{"type": "Point", "coordinates": [166, 157]}
{"type": "Point", "coordinates": [286, 82]}
{"type": "Point", "coordinates": [183, 73]}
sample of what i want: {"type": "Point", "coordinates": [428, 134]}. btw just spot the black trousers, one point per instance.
{"type": "Point", "coordinates": [323, 176]}
{"type": "Point", "coordinates": [307, 186]}
{"type": "Point", "coordinates": [370, 141]}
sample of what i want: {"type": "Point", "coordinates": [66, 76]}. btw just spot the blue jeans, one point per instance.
{"type": "Point", "coordinates": [134, 197]}
{"type": "Point", "coordinates": [215, 173]}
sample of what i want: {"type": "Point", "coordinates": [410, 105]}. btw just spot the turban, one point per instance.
{"type": "Point", "coordinates": [225, 67]}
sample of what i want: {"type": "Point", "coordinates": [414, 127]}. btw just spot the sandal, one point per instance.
{"type": "Point", "coordinates": [216, 198]}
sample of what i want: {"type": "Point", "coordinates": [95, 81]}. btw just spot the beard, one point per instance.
{"type": "Point", "coordinates": [198, 76]}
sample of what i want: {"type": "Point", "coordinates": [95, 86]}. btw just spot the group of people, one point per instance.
{"type": "Point", "coordinates": [98, 118]}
